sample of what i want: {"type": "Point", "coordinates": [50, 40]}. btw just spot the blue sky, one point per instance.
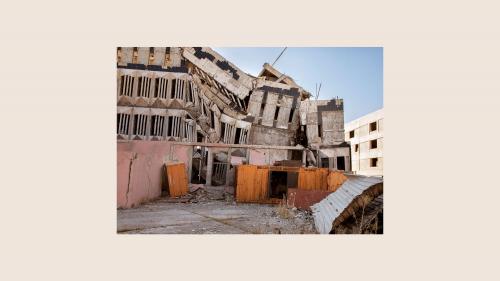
{"type": "Point", "coordinates": [354, 74]}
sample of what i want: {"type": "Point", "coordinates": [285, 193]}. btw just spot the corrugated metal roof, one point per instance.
{"type": "Point", "coordinates": [329, 209]}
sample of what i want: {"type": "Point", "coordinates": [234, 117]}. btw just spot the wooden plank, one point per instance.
{"type": "Point", "coordinates": [177, 179]}
{"type": "Point", "coordinates": [245, 182]}
{"type": "Point", "coordinates": [261, 184]}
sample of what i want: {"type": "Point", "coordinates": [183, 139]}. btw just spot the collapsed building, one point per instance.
{"type": "Point", "coordinates": [191, 105]}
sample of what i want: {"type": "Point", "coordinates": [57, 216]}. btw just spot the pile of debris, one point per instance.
{"type": "Point", "coordinates": [201, 194]}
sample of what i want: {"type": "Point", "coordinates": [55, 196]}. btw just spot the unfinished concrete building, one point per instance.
{"type": "Point", "coordinates": [191, 105]}
{"type": "Point", "coordinates": [366, 137]}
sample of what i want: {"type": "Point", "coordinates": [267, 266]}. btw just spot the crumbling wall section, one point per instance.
{"type": "Point", "coordinates": [139, 165]}
{"type": "Point", "coordinates": [141, 173]}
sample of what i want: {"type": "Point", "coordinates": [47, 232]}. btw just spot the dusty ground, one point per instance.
{"type": "Point", "coordinates": [212, 212]}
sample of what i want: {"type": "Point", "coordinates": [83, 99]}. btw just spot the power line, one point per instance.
{"type": "Point", "coordinates": [279, 56]}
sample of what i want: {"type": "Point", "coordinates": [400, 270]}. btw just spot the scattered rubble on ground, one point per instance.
{"type": "Point", "coordinates": [213, 211]}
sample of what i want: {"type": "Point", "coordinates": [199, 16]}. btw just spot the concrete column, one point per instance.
{"type": "Point", "coordinates": [247, 155]}
{"type": "Point", "coordinates": [210, 164]}
{"type": "Point", "coordinates": [228, 164]}
{"type": "Point", "coordinates": [190, 162]}
{"type": "Point", "coordinates": [304, 158]}
{"type": "Point", "coordinates": [347, 163]}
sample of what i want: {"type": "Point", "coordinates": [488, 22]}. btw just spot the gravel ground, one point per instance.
{"type": "Point", "coordinates": [212, 212]}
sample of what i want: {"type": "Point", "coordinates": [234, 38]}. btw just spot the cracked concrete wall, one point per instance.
{"type": "Point", "coordinates": [271, 136]}
{"type": "Point", "coordinates": [140, 169]}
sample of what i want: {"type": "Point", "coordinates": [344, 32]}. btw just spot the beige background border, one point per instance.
{"type": "Point", "coordinates": [58, 152]}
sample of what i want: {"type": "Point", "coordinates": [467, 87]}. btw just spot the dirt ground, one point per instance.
{"type": "Point", "coordinates": [207, 211]}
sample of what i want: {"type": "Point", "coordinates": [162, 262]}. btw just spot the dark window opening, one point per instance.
{"type": "Point", "coordinates": [212, 119]}
{"type": "Point", "coordinates": [157, 87]}
{"type": "Point", "coordinates": [157, 123]}
{"type": "Point", "coordinates": [373, 162]}
{"type": "Point", "coordinates": [222, 130]}
{"type": "Point", "coordinates": [139, 86]}
{"type": "Point", "coordinates": [199, 137]}
{"type": "Point", "coordinates": [351, 134]}
{"type": "Point", "coordinates": [290, 118]}
{"type": "Point", "coordinates": [237, 136]}
{"type": "Point", "coordinates": [198, 172]}
{"type": "Point", "coordinates": [118, 117]}
{"type": "Point", "coordinates": [170, 125]}
{"type": "Point", "coordinates": [246, 100]}
{"type": "Point", "coordinates": [373, 144]}
{"type": "Point", "coordinates": [320, 134]}
{"type": "Point", "coordinates": [143, 87]}
{"type": "Point", "coordinates": [219, 172]}
{"type": "Point", "coordinates": [127, 86]}
{"type": "Point", "coordinates": [122, 123]}
{"type": "Point", "coordinates": [122, 83]}
{"type": "Point", "coordinates": [297, 155]}
{"type": "Point", "coordinates": [341, 163]}
{"type": "Point", "coordinates": [356, 148]}
{"type": "Point", "coordinates": [172, 88]}
{"type": "Point", "coordinates": [373, 126]}
{"type": "Point", "coordinates": [276, 113]}
{"type": "Point", "coordinates": [325, 162]}
{"type": "Point", "coordinates": [140, 122]}
{"type": "Point", "coordinates": [301, 137]}
{"type": "Point", "coordinates": [189, 96]}
{"type": "Point", "coordinates": [262, 107]}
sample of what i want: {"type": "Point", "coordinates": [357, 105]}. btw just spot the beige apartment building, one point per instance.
{"type": "Point", "coordinates": [366, 137]}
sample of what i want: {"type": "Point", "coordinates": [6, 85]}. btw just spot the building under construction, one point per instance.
{"type": "Point", "coordinates": [190, 105]}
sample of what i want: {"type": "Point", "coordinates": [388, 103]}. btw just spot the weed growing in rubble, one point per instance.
{"type": "Point", "coordinates": [283, 210]}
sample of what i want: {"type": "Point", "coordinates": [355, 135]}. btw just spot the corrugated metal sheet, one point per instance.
{"type": "Point", "coordinates": [336, 206]}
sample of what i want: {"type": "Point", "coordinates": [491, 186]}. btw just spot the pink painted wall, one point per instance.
{"type": "Point", "coordinates": [140, 169]}
{"type": "Point", "coordinates": [258, 157]}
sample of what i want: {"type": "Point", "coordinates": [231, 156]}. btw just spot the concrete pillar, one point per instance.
{"type": "Point", "coordinates": [210, 165]}
{"type": "Point", "coordinates": [347, 163]}
{"type": "Point", "coordinates": [247, 155]}
{"type": "Point", "coordinates": [228, 164]}
{"type": "Point", "coordinates": [304, 158]}
{"type": "Point", "coordinates": [190, 162]}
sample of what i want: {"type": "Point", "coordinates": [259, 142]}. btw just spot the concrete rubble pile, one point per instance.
{"type": "Point", "coordinates": [193, 94]}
